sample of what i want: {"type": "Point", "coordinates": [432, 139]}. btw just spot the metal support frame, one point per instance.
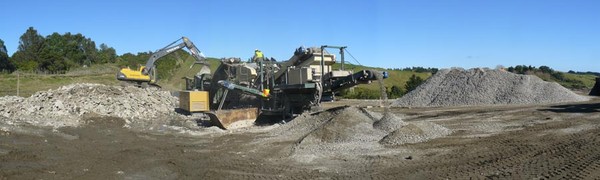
{"type": "Point", "coordinates": [341, 48]}
{"type": "Point", "coordinates": [223, 99]}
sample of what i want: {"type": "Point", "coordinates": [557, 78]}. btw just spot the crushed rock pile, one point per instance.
{"type": "Point", "coordinates": [459, 87]}
{"type": "Point", "coordinates": [66, 105]}
{"type": "Point", "coordinates": [352, 130]}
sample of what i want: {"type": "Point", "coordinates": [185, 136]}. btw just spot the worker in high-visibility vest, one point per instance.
{"type": "Point", "coordinates": [258, 56]}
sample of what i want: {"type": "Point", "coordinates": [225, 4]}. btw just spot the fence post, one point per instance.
{"type": "Point", "coordinates": [18, 79]}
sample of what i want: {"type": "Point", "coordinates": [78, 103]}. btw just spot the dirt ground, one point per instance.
{"type": "Point", "coordinates": [496, 142]}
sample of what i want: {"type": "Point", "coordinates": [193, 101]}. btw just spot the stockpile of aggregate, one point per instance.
{"type": "Point", "coordinates": [459, 87]}
{"type": "Point", "coordinates": [352, 130]}
{"type": "Point", "coordinates": [67, 105]}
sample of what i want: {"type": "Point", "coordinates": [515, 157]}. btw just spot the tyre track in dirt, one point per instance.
{"type": "Point", "coordinates": [505, 156]}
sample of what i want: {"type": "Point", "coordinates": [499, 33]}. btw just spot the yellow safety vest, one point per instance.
{"type": "Point", "coordinates": [258, 54]}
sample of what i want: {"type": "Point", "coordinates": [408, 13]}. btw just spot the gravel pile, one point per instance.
{"type": "Point", "coordinates": [414, 133]}
{"type": "Point", "coordinates": [352, 130]}
{"type": "Point", "coordinates": [459, 87]}
{"type": "Point", "coordinates": [66, 105]}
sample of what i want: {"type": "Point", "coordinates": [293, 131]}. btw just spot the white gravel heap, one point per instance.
{"type": "Point", "coordinates": [66, 105]}
{"type": "Point", "coordinates": [459, 87]}
{"type": "Point", "coordinates": [352, 130]}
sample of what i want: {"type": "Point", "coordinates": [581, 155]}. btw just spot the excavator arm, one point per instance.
{"type": "Point", "coordinates": [200, 59]}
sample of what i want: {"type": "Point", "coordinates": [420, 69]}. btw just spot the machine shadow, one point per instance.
{"type": "Point", "coordinates": [575, 108]}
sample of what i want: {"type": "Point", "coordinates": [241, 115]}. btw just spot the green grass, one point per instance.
{"type": "Point", "coordinates": [396, 77]}
{"type": "Point", "coordinates": [571, 81]}
{"type": "Point", "coordinates": [31, 83]}
{"type": "Point", "coordinates": [176, 82]}
{"type": "Point", "coordinates": [588, 80]}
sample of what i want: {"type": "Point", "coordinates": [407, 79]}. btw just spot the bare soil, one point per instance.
{"type": "Point", "coordinates": [557, 141]}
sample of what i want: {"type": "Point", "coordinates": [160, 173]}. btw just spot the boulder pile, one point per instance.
{"type": "Point", "coordinates": [66, 105]}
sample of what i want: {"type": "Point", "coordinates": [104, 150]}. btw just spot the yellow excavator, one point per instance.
{"type": "Point", "coordinates": [145, 76]}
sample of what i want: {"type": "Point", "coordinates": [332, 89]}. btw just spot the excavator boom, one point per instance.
{"type": "Point", "coordinates": [146, 74]}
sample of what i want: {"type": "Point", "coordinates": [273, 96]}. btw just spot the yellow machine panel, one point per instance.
{"type": "Point", "coordinates": [193, 101]}
{"type": "Point", "coordinates": [133, 74]}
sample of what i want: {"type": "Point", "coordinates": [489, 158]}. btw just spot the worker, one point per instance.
{"type": "Point", "coordinates": [258, 56]}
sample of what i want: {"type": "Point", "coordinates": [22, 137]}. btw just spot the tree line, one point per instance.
{"type": "Point", "coordinates": [392, 92]}
{"type": "Point", "coordinates": [417, 69]}
{"type": "Point", "coordinates": [549, 74]}
{"type": "Point", "coordinates": [523, 69]}
{"type": "Point", "coordinates": [55, 53]}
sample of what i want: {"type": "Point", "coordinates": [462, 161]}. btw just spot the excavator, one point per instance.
{"type": "Point", "coordinates": [145, 76]}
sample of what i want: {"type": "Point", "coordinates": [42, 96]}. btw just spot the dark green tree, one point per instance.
{"type": "Point", "coordinates": [5, 63]}
{"type": "Point", "coordinates": [413, 82]}
{"type": "Point", "coordinates": [107, 54]}
{"type": "Point", "coordinates": [395, 92]}
{"type": "Point", "coordinates": [27, 55]}
{"type": "Point", "coordinates": [3, 47]}
{"type": "Point", "coordinates": [546, 69]}
{"type": "Point", "coordinates": [511, 69]}
{"type": "Point", "coordinates": [55, 56]}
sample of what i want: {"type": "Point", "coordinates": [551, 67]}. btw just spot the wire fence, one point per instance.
{"type": "Point", "coordinates": [26, 83]}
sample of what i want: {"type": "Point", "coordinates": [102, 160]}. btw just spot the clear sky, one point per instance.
{"type": "Point", "coordinates": [562, 34]}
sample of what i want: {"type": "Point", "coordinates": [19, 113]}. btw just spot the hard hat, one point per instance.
{"type": "Point", "coordinates": [255, 49]}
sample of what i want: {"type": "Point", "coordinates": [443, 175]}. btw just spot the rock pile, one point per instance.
{"type": "Point", "coordinates": [352, 130]}
{"type": "Point", "coordinates": [459, 87]}
{"type": "Point", "coordinates": [66, 105]}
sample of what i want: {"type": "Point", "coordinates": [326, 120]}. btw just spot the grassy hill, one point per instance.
{"type": "Point", "coordinates": [579, 81]}
{"type": "Point", "coordinates": [186, 68]}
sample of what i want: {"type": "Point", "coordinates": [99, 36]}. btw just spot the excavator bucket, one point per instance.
{"type": "Point", "coordinates": [224, 118]}
{"type": "Point", "coordinates": [204, 70]}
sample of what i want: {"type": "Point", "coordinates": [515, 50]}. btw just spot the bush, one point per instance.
{"type": "Point", "coordinates": [361, 93]}
{"type": "Point", "coordinates": [413, 82]}
{"type": "Point", "coordinates": [395, 92]}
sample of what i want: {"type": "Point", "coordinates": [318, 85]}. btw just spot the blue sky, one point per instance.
{"type": "Point", "coordinates": [564, 35]}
